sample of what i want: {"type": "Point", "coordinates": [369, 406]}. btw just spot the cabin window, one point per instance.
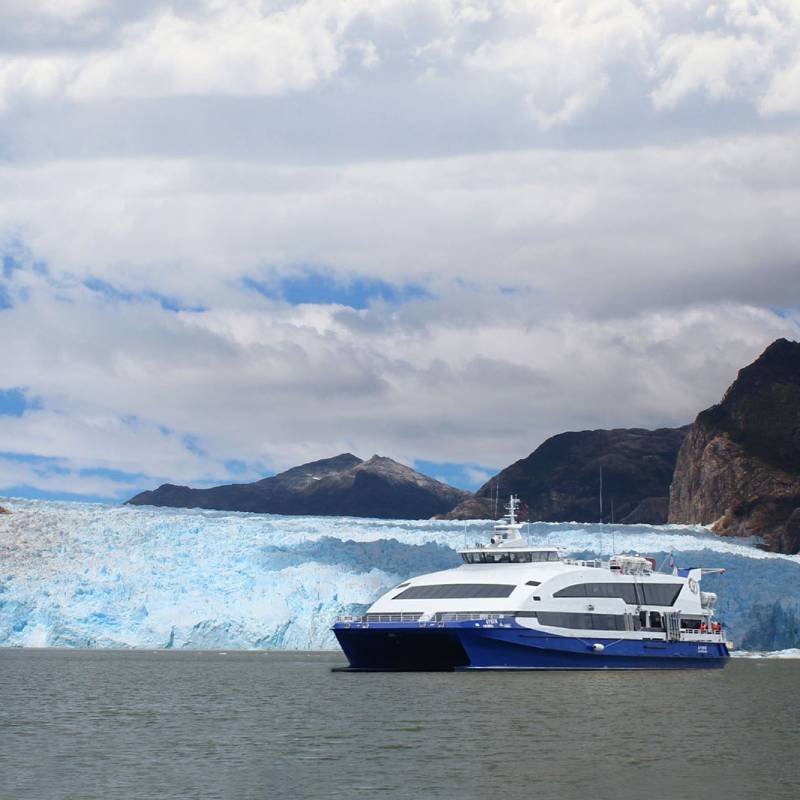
{"type": "Point", "coordinates": [588, 622]}
{"type": "Point", "coordinates": [660, 594]}
{"type": "Point", "coordinates": [510, 557]}
{"type": "Point", "coordinates": [655, 620]}
{"type": "Point", "coordinates": [533, 583]}
{"type": "Point", "coordinates": [455, 590]}
{"type": "Point", "coordinates": [625, 591]}
{"type": "Point", "coordinates": [654, 594]}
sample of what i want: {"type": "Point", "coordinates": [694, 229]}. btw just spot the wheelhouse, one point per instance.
{"type": "Point", "coordinates": [517, 556]}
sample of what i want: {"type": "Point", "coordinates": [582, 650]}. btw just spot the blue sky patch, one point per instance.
{"type": "Point", "coordinates": [192, 444]}
{"type": "Point", "coordinates": [32, 493]}
{"type": "Point", "coordinates": [46, 467]}
{"type": "Point", "coordinates": [462, 476]}
{"type": "Point", "coordinates": [10, 263]}
{"type": "Point", "coordinates": [236, 467]}
{"type": "Point", "coordinates": [42, 465]}
{"type": "Point", "coordinates": [112, 474]}
{"type": "Point", "coordinates": [14, 403]}
{"type": "Point", "coordinates": [118, 295]}
{"type": "Point", "coordinates": [14, 258]}
{"type": "Point", "coordinates": [785, 313]}
{"type": "Point", "coordinates": [322, 288]}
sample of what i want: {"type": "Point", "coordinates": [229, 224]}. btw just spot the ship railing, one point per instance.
{"type": "Point", "coordinates": [399, 617]}
{"type": "Point", "coordinates": [581, 562]}
{"type": "Point", "coordinates": [698, 632]}
{"type": "Point", "coordinates": [464, 616]}
{"type": "Point", "coordinates": [442, 616]}
{"type": "Point", "coordinates": [403, 617]}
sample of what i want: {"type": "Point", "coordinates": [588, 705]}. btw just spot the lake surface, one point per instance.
{"type": "Point", "coordinates": [116, 724]}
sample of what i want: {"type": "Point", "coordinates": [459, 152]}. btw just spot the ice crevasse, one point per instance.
{"type": "Point", "coordinates": [88, 575]}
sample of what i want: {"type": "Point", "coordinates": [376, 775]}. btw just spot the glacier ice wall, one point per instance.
{"type": "Point", "coordinates": [87, 575]}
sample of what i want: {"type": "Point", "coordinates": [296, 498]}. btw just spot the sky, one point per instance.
{"type": "Point", "coordinates": [238, 236]}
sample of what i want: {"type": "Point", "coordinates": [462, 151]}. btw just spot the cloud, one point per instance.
{"type": "Point", "coordinates": [240, 235]}
{"type": "Point", "coordinates": [685, 223]}
{"type": "Point", "coordinates": [745, 49]}
{"type": "Point", "coordinates": [221, 47]}
{"type": "Point", "coordinates": [134, 387]}
{"type": "Point", "coordinates": [558, 60]}
{"type": "Point", "coordinates": [562, 54]}
{"type": "Point", "coordinates": [783, 95]}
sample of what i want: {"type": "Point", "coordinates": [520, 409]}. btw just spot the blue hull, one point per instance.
{"type": "Point", "coordinates": [471, 645]}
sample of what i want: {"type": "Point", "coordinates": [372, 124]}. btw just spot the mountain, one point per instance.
{"type": "Point", "coordinates": [340, 486]}
{"type": "Point", "coordinates": [560, 480]}
{"type": "Point", "coordinates": [739, 468]}
{"type": "Point", "coordinates": [4, 510]}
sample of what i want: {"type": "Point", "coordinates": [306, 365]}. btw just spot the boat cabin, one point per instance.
{"type": "Point", "coordinates": [516, 556]}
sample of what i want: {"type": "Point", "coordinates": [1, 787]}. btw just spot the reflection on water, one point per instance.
{"type": "Point", "coordinates": [105, 724]}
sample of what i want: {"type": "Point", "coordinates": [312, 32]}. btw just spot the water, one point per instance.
{"type": "Point", "coordinates": [113, 724]}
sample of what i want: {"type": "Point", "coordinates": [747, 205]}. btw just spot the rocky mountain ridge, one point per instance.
{"type": "Point", "coordinates": [739, 468]}
{"type": "Point", "coordinates": [344, 485]}
{"type": "Point", "coordinates": [561, 480]}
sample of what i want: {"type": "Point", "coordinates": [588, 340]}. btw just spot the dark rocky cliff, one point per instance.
{"type": "Point", "coordinates": [340, 486]}
{"type": "Point", "coordinates": [739, 468]}
{"type": "Point", "coordinates": [560, 480]}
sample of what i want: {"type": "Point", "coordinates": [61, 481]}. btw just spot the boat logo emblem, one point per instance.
{"type": "Point", "coordinates": [693, 585]}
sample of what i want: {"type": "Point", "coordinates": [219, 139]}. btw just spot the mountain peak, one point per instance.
{"type": "Point", "coordinates": [560, 479]}
{"type": "Point", "coordinates": [343, 485]}
{"type": "Point", "coordinates": [740, 466]}
{"type": "Point", "coordinates": [781, 349]}
{"type": "Point", "coordinates": [778, 364]}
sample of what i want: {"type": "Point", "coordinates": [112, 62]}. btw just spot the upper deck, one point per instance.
{"type": "Point", "coordinates": [508, 546]}
{"type": "Point", "coordinates": [542, 588]}
{"type": "Point", "coordinates": [516, 555]}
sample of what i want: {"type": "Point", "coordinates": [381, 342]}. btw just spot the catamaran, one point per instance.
{"type": "Point", "coordinates": [513, 606]}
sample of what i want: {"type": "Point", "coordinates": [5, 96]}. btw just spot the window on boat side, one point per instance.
{"type": "Point", "coordinates": [651, 620]}
{"type": "Point", "coordinates": [654, 594]}
{"type": "Point", "coordinates": [586, 622]}
{"type": "Point", "coordinates": [660, 594]}
{"type": "Point", "coordinates": [655, 620]}
{"type": "Point", "coordinates": [454, 591]}
{"type": "Point", "coordinates": [510, 557]}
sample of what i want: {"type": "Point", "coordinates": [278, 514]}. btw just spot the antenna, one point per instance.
{"type": "Point", "coordinates": [600, 532]}
{"type": "Point", "coordinates": [601, 493]}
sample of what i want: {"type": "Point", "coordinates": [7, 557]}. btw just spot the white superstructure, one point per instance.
{"type": "Point", "coordinates": [544, 590]}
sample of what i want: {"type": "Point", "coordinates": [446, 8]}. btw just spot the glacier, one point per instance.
{"type": "Point", "coordinates": [92, 575]}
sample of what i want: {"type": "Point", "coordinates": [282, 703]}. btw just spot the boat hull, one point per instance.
{"type": "Point", "coordinates": [474, 645]}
